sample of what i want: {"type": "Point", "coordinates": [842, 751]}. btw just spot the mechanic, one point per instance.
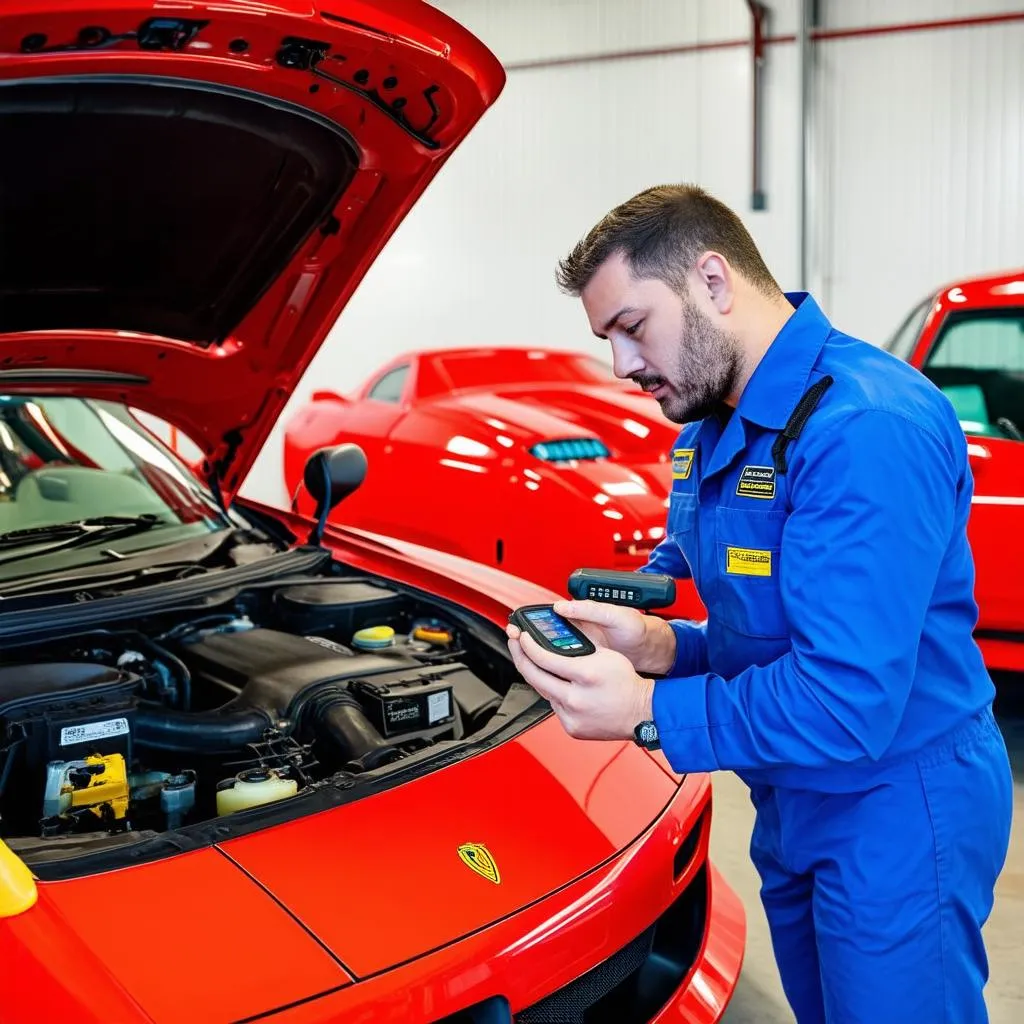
{"type": "Point", "coordinates": [820, 498]}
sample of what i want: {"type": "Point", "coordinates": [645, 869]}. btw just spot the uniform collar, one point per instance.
{"type": "Point", "coordinates": [780, 378]}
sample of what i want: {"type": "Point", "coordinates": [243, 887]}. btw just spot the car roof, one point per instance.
{"type": "Point", "coordinates": [998, 289]}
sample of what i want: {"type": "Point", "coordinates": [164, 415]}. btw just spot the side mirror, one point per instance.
{"type": "Point", "coordinates": [331, 475]}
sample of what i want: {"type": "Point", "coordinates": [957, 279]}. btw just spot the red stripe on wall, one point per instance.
{"type": "Point", "coordinates": [818, 35]}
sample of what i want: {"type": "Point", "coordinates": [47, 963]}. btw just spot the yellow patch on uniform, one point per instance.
{"type": "Point", "coordinates": [748, 562]}
{"type": "Point", "coordinates": [682, 463]}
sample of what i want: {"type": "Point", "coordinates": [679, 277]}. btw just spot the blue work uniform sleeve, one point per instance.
{"type": "Point", "coordinates": [874, 499]}
{"type": "Point", "coordinates": [668, 560]}
{"type": "Point", "coordinates": [691, 637]}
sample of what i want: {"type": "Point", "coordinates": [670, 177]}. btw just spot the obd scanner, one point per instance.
{"type": "Point", "coordinates": [633, 589]}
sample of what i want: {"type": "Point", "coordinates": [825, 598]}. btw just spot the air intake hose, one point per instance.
{"type": "Point", "coordinates": [222, 731]}
{"type": "Point", "coordinates": [337, 716]}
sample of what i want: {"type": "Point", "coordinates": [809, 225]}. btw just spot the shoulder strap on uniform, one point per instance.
{"type": "Point", "coordinates": [791, 431]}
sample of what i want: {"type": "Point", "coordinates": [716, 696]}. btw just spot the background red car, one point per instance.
{"type": "Point", "coordinates": [250, 770]}
{"type": "Point", "coordinates": [550, 461]}
{"type": "Point", "coordinates": [968, 337]}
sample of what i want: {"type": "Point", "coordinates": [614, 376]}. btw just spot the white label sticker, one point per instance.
{"type": "Point", "coordinates": [73, 734]}
{"type": "Point", "coordinates": [438, 706]}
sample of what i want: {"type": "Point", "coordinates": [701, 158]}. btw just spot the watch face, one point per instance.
{"type": "Point", "coordinates": [647, 732]}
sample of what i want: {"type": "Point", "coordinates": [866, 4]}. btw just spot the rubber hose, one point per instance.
{"type": "Point", "coordinates": [337, 715]}
{"type": "Point", "coordinates": [200, 732]}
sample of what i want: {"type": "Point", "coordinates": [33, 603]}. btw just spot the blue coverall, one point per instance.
{"type": "Point", "coordinates": [837, 674]}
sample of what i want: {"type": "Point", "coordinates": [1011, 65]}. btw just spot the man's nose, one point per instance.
{"type": "Point", "coordinates": [626, 360]}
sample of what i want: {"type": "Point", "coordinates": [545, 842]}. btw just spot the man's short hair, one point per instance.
{"type": "Point", "coordinates": [661, 232]}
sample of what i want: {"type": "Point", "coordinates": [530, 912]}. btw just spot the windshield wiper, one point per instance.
{"type": "Point", "coordinates": [89, 578]}
{"type": "Point", "coordinates": [71, 535]}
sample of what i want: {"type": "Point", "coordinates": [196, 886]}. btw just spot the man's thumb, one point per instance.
{"type": "Point", "coordinates": [586, 611]}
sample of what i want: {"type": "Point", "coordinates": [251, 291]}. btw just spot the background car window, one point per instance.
{"type": "Point", "coordinates": [391, 386]}
{"type": "Point", "coordinates": [994, 341]}
{"type": "Point", "coordinates": [904, 341]}
{"type": "Point", "coordinates": [978, 361]}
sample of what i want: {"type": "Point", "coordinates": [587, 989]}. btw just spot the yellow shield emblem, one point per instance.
{"type": "Point", "coordinates": [480, 860]}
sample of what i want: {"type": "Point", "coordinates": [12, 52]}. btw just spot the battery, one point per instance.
{"type": "Point", "coordinates": [406, 703]}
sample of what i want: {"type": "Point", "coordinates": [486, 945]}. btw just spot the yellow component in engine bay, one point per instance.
{"type": "Point", "coordinates": [98, 784]}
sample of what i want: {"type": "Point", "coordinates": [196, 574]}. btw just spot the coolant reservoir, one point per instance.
{"type": "Point", "coordinates": [253, 787]}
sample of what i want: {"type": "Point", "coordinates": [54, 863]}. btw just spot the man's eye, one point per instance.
{"type": "Point", "coordinates": [633, 328]}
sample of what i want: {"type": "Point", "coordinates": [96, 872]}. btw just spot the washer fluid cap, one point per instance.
{"type": "Point", "coordinates": [374, 637]}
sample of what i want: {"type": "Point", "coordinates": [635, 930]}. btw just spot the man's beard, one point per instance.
{"type": "Point", "coordinates": [706, 372]}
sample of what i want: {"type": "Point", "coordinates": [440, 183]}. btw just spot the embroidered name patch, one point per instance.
{"type": "Point", "coordinates": [682, 463]}
{"type": "Point", "coordinates": [756, 482]}
{"type": "Point", "coordinates": [748, 562]}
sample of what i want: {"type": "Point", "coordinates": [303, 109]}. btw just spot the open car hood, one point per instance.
{"type": "Point", "coordinates": [190, 193]}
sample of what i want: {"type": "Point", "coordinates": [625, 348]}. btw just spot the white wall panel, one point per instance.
{"type": "Point", "coordinates": [922, 144]}
{"type": "Point", "coordinates": [527, 30]}
{"type": "Point", "coordinates": [858, 13]}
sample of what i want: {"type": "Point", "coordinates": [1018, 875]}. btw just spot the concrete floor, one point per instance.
{"type": "Point", "coordinates": [759, 998]}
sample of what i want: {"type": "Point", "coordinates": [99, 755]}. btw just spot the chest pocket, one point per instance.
{"type": "Point", "coordinates": [748, 559]}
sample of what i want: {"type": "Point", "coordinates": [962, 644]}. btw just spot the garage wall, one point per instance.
{"type": "Point", "coordinates": [916, 169]}
{"type": "Point", "coordinates": [921, 138]}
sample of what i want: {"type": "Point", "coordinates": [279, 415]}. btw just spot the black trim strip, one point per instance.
{"type": "Point", "coordinates": [1013, 636]}
{"type": "Point", "coordinates": [60, 375]}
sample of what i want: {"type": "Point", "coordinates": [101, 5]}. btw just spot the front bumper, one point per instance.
{"type": "Point", "coordinates": [597, 950]}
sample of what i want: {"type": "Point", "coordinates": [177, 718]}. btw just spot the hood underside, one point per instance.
{"type": "Point", "coordinates": [189, 201]}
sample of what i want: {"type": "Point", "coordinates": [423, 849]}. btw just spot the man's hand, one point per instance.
{"type": "Point", "coordinates": [647, 641]}
{"type": "Point", "coordinates": [597, 697]}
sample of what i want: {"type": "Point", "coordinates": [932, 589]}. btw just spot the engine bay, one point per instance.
{"type": "Point", "coordinates": [260, 696]}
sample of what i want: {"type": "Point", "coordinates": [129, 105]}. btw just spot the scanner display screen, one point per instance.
{"type": "Point", "coordinates": [554, 629]}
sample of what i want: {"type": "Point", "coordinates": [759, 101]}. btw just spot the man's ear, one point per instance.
{"type": "Point", "coordinates": [715, 279]}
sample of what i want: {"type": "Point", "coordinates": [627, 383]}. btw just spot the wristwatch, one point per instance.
{"type": "Point", "coordinates": [646, 735]}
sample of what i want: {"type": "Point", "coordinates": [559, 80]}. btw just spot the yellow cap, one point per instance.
{"type": "Point", "coordinates": [375, 636]}
{"type": "Point", "coordinates": [432, 635]}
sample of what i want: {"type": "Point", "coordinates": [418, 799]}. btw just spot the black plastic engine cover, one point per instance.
{"type": "Point", "coordinates": [274, 669]}
{"type": "Point", "coordinates": [340, 606]}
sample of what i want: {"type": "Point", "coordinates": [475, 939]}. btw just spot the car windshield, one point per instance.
{"type": "Point", "coordinates": [978, 361]}
{"type": "Point", "coordinates": [531, 367]}
{"type": "Point", "coordinates": [65, 460]}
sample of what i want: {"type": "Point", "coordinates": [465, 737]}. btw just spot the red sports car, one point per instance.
{"type": "Point", "coordinates": [968, 337]}
{"type": "Point", "coordinates": [254, 766]}
{"type": "Point", "coordinates": [553, 462]}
